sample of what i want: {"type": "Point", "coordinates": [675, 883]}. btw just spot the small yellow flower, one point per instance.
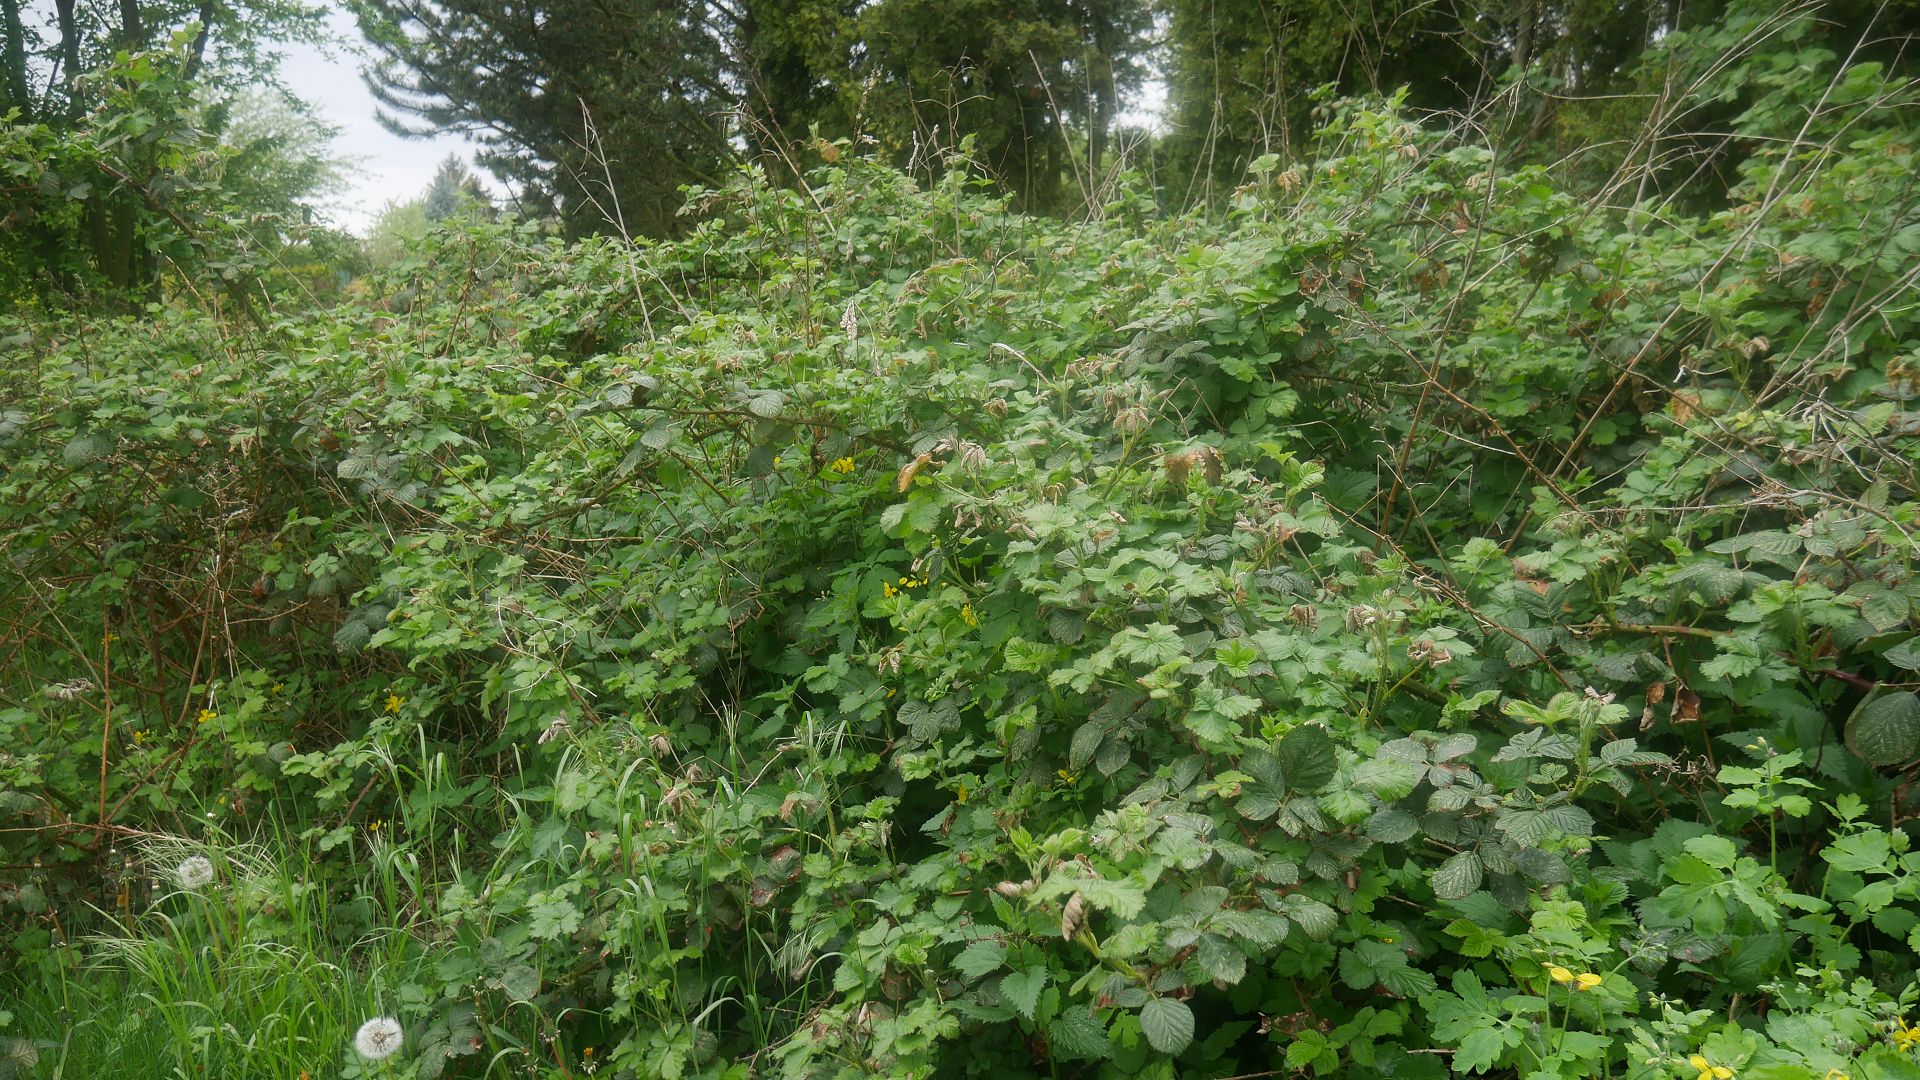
{"type": "Point", "coordinates": [1585, 981]}
{"type": "Point", "coordinates": [1836, 1074]}
{"type": "Point", "coordinates": [139, 737]}
{"type": "Point", "coordinates": [960, 793]}
{"type": "Point", "coordinates": [1559, 974]}
{"type": "Point", "coordinates": [887, 590]}
{"type": "Point", "coordinates": [1905, 1038]}
{"type": "Point", "coordinates": [842, 466]}
{"type": "Point", "coordinates": [394, 701]}
{"type": "Point", "coordinates": [374, 826]}
{"type": "Point", "coordinates": [208, 714]}
{"type": "Point", "coordinates": [967, 616]}
{"type": "Point", "coordinates": [1067, 776]}
{"type": "Point", "coordinates": [1708, 1070]}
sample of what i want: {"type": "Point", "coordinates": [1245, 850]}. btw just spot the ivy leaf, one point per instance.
{"type": "Point", "coordinates": [1167, 1024]}
{"type": "Point", "coordinates": [1022, 989]}
{"type": "Point", "coordinates": [1886, 730]}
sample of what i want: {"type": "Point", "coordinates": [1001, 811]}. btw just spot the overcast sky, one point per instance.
{"type": "Point", "coordinates": [384, 167]}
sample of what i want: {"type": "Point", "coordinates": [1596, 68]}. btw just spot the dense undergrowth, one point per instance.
{"type": "Point", "coordinates": [1426, 619]}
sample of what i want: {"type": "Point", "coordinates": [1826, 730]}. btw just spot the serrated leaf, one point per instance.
{"type": "Point", "coordinates": [1392, 825]}
{"type": "Point", "coordinates": [1263, 929]}
{"type": "Point", "coordinates": [766, 404]}
{"type": "Point", "coordinates": [1885, 609]}
{"type": "Point", "coordinates": [1454, 746]}
{"type": "Point", "coordinates": [1167, 1024]}
{"type": "Point", "coordinates": [1086, 740]}
{"type": "Point", "coordinates": [1905, 655]}
{"type": "Point", "coordinates": [979, 958]}
{"type": "Point", "coordinates": [1457, 877]}
{"type": "Point", "coordinates": [1387, 779]}
{"type": "Point", "coordinates": [1220, 960]}
{"type": "Point", "coordinates": [1315, 919]}
{"type": "Point", "coordinates": [1022, 989]}
{"type": "Point", "coordinates": [1307, 758]}
{"type": "Point", "coordinates": [519, 982]}
{"type": "Point", "coordinates": [1886, 730]}
{"type": "Point", "coordinates": [659, 436]}
{"type": "Point", "coordinates": [1078, 1034]}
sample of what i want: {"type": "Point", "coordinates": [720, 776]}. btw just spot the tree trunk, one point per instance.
{"type": "Point", "coordinates": [16, 93]}
{"type": "Point", "coordinates": [69, 56]}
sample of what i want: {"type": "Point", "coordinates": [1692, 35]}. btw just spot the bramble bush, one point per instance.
{"type": "Point", "coordinates": [1423, 620]}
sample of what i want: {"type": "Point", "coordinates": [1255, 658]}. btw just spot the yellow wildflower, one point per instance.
{"type": "Point", "coordinates": [1586, 980]}
{"type": "Point", "coordinates": [1905, 1037]}
{"type": "Point", "coordinates": [1559, 974]}
{"type": "Point", "coordinates": [394, 701]}
{"type": "Point", "coordinates": [960, 793]}
{"type": "Point", "coordinates": [139, 737]}
{"type": "Point", "coordinates": [887, 590]}
{"type": "Point", "coordinates": [208, 714]}
{"type": "Point", "coordinates": [1068, 777]}
{"type": "Point", "coordinates": [842, 465]}
{"type": "Point", "coordinates": [1708, 1070]}
{"type": "Point", "coordinates": [967, 616]}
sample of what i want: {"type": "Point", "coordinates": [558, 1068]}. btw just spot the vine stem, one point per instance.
{"type": "Point", "coordinates": [106, 706]}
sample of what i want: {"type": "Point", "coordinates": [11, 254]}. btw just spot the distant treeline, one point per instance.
{"type": "Point", "coordinates": [581, 102]}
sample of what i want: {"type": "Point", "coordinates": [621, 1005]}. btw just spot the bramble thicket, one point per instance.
{"type": "Point", "coordinates": [1438, 611]}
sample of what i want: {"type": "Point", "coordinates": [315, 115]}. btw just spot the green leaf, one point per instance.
{"type": "Point", "coordinates": [1307, 758]}
{"type": "Point", "coordinates": [1220, 960]}
{"type": "Point", "coordinates": [1022, 989]}
{"type": "Point", "coordinates": [1458, 876]}
{"type": "Point", "coordinates": [1078, 1034]}
{"type": "Point", "coordinates": [980, 957]}
{"type": "Point", "coordinates": [1885, 609]}
{"type": "Point", "coordinates": [1886, 730]}
{"type": "Point", "coordinates": [1905, 655]}
{"type": "Point", "coordinates": [1167, 1024]}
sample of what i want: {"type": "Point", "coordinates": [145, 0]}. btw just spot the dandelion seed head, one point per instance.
{"type": "Point", "coordinates": [377, 1038]}
{"type": "Point", "coordinates": [194, 872]}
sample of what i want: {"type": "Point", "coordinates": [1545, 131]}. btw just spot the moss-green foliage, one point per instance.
{"type": "Point", "coordinates": [1422, 619]}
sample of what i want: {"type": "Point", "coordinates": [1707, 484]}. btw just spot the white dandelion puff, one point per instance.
{"type": "Point", "coordinates": [194, 872]}
{"type": "Point", "coordinates": [377, 1038]}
